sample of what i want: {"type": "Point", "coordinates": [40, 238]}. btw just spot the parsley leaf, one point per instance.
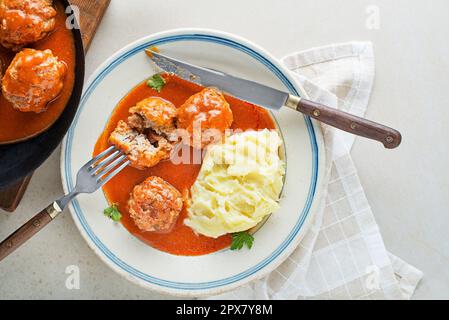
{"type": "Point", "coordinates": [156, 82]}
{"type": "Point", "coordinates": [113, 213]}
{"type": "Point", "coordinates": [239, 239]}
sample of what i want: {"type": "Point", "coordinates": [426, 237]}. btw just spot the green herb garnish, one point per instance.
{"type": "Point", "coordinates": [113, 213]}
{"type": "Point", "coordinates": [239, 239]}
{"type": "Point", "coordinates": [156, 82]}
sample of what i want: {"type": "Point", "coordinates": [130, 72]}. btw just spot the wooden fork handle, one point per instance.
{"type": "Point", "coordinates": [389, 137]}
{"type": "Point", "coordinates": [29, 229]}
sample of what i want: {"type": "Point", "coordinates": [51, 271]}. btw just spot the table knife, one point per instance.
{"type": "Point", "coordinates": [273, 99]}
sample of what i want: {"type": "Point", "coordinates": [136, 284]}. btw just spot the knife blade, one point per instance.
{"type": "Point", "coordinates": [274, 99]}
{"type": "Point", "coordinates": [243, 89]}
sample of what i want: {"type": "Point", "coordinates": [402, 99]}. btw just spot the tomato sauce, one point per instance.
{"type": "Point", "coordinates": [181, 240]}
{"type": "Point", "coordinates": [16, 125]}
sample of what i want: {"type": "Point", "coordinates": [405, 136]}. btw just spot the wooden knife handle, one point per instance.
{"type": "Point", "coordinates": [389, 137]}
{"type": "Point", "coordinates": [25, 232]}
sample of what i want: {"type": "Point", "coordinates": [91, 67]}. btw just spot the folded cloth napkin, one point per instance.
{"type": "Point", "coordinates": [342, 256]}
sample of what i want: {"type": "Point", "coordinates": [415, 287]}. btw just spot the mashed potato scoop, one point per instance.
{"type": "Point", "coordinates": [239, 184]}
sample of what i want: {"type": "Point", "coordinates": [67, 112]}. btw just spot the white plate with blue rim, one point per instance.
{"type": "Point", "coordinates": [224, 270]}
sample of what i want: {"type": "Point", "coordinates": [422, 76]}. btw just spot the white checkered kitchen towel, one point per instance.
{"type": "Point", "coordinates": [343, 255]}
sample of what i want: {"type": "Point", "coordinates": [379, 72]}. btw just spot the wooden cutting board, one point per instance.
{"type": "Point", "coordinates": [91, 13]}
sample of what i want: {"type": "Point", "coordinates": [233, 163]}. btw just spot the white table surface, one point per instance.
{"type": "Point", "coordinates": [408, 188]}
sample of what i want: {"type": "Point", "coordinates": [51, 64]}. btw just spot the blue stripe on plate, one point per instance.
{"type": "Point", "coordinates": [179, 285]}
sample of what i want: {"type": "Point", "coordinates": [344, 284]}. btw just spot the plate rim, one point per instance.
{"type": "Point", "coordinates": [315, 135]}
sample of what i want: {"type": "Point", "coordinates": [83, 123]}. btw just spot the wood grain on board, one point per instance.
{"type": "Point", "coordinates": [91, 13]}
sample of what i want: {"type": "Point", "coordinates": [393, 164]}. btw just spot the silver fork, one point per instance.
{"type": "Point", "coordinates": [90, 178]}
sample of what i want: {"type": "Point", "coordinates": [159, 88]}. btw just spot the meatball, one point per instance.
{"type": "Point", "coordinates": [33, 79]}
{"type": "Point", "coordinates": [144, 151]}
{"type": "Point", "coordinates": [23, 22]}
{"type": "Point", "coordinates": [154, 113]}
{"type": "Point", "coordinates": [154, 205]}
{"type": "Point", "coordinates": [202, 112]}
{"type": "Point", "coordinates": [123, 136]}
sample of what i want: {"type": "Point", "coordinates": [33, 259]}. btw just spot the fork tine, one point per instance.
{"type": "Point", "coordinates": [101, 173]}
{"type": "Point", "coordinates": [99, 166]}
{"type": "Point", "coordinates": [98, 157]}
{"type": "Point", "coordinates": [113, 173]}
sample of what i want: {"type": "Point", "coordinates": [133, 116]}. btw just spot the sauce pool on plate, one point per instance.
{"type": "Point", "coordinates": [181, 240]}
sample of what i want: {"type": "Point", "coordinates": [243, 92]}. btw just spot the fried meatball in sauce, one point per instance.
{"type": "Point", "coordinates": [205, 110]}
{"type": "Point", "coordinates": [33, 79]}
{"type": "Point", "coordinates": [154, 205]}
{"type": "Point", "coordinates": [144, 151]}
{"type": "Point", "coordinates": [154, 113]}
{"type": "Point", "coordinates": [23, 22]}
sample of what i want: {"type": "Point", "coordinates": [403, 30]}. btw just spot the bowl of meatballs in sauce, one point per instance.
{"type": "Point", "coordinates": [42, 71]}
{"type": "Point", "coordinates": [205, 203]}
